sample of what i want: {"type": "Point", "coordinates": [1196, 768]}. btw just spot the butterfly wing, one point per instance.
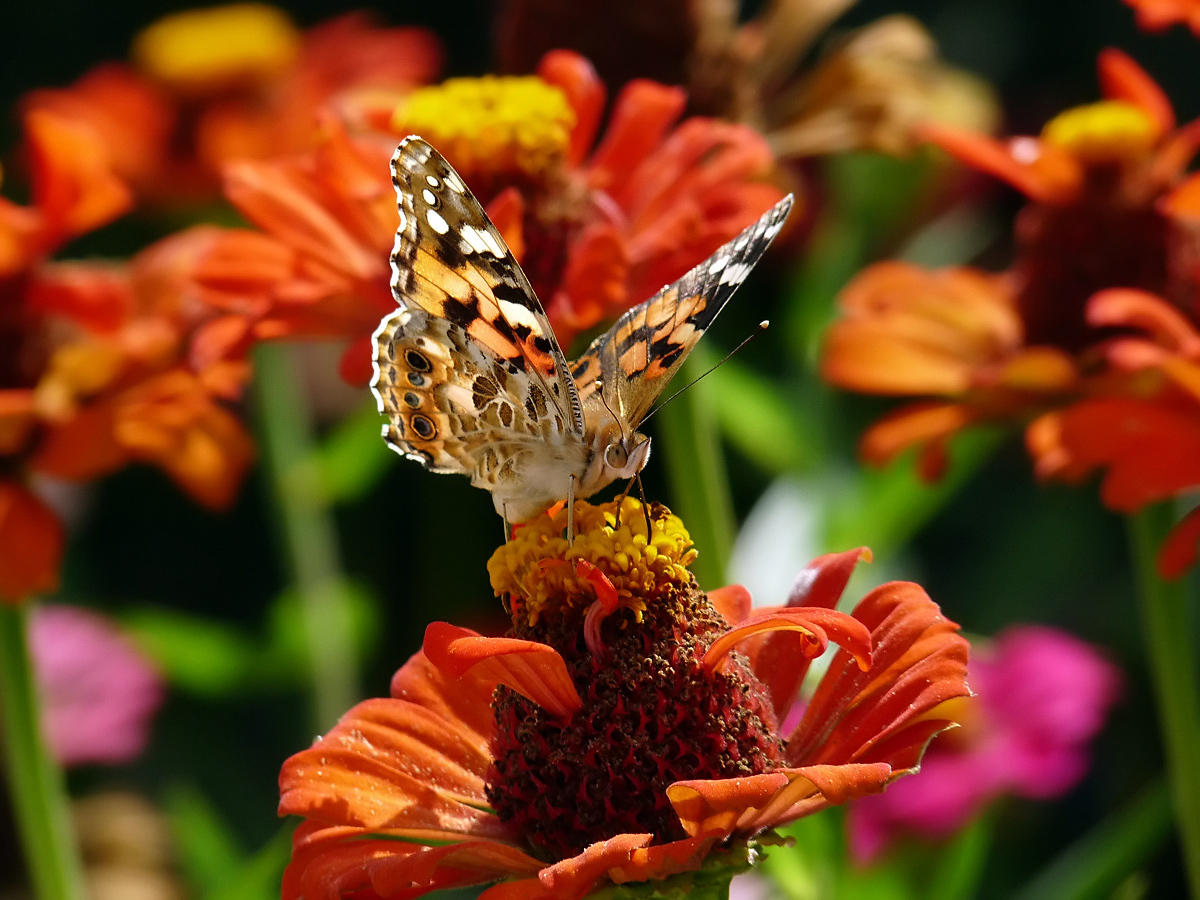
{"type": "Point", "coordinates": [450, 261]}
{"type": "Point", "coordinates": [467, 369]}
{"type": "Point", "coordinates": [627, 367]}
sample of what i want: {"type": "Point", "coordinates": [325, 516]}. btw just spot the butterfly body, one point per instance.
{"type": "Point", "coordinates": [471, 376]}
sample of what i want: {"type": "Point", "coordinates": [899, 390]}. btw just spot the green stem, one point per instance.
{"type": "Point", "coordinates": [286, 433]}
{"type": "Point", "coordinates": [1167, 628]}
{"type": "Point", "coordinates": [697, 477]}
{"type": "Point", "coordinates": [34, 778]}
{"type": "Point", "coordinates": [1098, 862]}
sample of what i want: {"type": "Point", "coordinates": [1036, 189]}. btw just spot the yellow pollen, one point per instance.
{"type": "Point", "coordinates": [208, 50]}
{"type": "Point", "coordinates": [491, 126]}
{"type": "Point", "coordinates": [1104, 132]}
{"type": "Point", "coordinates": [537, 569]}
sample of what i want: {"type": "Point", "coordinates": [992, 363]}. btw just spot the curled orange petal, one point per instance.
{"type": "Point", "coordinates": [531, 669]}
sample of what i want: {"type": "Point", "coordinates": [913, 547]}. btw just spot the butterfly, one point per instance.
{"type": "Point", "coordinates": [471, 376]}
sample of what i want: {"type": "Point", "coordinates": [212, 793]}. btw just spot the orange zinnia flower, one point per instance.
{"type": "Point", "coordinates": [210, 86]}
{"type": "Point", "coordinates": [1144, 429]}
{"type": "Point", "coordinates": [615, 735]}
{"type": "Point", "coordinates": [596, 234]}
{"type": "Point", "coordinates": [603, 227]}
{"type": "Point", "coordinates": [93, 373]}
{"type": "Point", "coordinates": [954, 333]}
{"type": "Point", "coordinates": [1157, 15]}
{"type": "Point", "coordinates": [1107, 246]}
{"type": "Point", "coordinates": [1101, 180]}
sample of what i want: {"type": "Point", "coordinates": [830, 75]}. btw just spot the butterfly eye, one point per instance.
{"type": "Point", "coordinates": [615, 456]}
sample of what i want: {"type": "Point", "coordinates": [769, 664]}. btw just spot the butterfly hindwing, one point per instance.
{"type": "Point", "coordinates": [628, 366]}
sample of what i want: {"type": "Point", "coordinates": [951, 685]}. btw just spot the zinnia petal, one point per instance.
{"type": "Point", "coordinates": [529, 668]}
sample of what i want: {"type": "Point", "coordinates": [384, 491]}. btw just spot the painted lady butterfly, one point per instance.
{"type": "Point", "coordinates": [471, 376]}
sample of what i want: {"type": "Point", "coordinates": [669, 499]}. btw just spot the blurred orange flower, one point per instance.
{"type": "Point", "coordinates": [93, 372]}
{"type": "Point", "coordinates": [597, 231]}
{"type": "Point", "coordinates": [1091, 336]}
{"type": "Point", "coordinates": [1157, 15]}
{"type": "Point", "coordinates": [1144, 429]}
{"type": "Point", "coordinates": [209, 86]}
{"type": "Point", "coordinates": [1104, 212]}
{"type": "Point", "coordinates": [954, 333]}
{"type": "Point", "coordinates": [31, 543]}
{"type": "Point", "coordinates": [612, 737]}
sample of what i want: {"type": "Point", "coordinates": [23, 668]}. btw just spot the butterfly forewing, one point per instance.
{"type": "Point", "coordinates": [633, 361]}
{"type": "Point", "coordinates": [467, 368]}
{"type": "Point", "coordinates": [450, 261]}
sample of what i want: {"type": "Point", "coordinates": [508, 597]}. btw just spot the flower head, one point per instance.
{"type": "Point", "coordinates": [615, 733]}
{"type": "Point", "coordinates": [1041, 696]}
{"type": "Point", "coordinates": [1100, 179]}
{"type": "Point", "coordinates": [99, 692]}
{"type": "Point", "coordinates": [1158, 15]}
{"type": "Point", "coordinates": [596, 234]}
{"type": "Point", "coordinates": [1090, 338]}
{"type": "Point", "coordinates": [212, 86]}
{"type": "Point", "coordinates": [492, 128]}
{"type": "Point", "coordinates": [94, 368]}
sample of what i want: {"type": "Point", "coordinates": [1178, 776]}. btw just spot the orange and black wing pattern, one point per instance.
{"type": "Point", "coordinates": [633, 361]}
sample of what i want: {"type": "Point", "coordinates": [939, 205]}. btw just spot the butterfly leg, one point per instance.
{"type": "Point", "coordinates": [571, 512]}
{"type": "Point", "coordinates": [645, 504]}
{"type": "Point", "coordinates": [621, 500]}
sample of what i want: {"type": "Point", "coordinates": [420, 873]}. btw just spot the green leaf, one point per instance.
{"type": "Point", "coordinates": [759, 419]}
{"type": "Point", "coordinates": [870, 195]}
{"type": "Point", "coordinates": [258, 878]}
{"type": "Point", "coordinates": [207, 850]}
{"type": "Point", "coordinates": [960, 869]}
{"type": "Point", "coordinates": [353, 457]}
{"type": "Point", "coordinates": [286, 656]}
{"type": "Point", "coordinates": [883, 508]}
{"type": "Point", "coordinates": [1104, 858]}
{"type": "Point", "coordinates": [194, 653]}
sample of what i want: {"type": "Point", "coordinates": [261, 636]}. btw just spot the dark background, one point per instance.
{"type": "Point", "coordinates": [1005, 550]}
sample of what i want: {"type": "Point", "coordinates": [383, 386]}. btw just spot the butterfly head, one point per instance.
{"type": "Point", "coordinates": [627, 455]}
{"type": "Point", "coordinates": [617, 453]}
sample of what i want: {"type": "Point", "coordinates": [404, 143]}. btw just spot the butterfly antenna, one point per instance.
{"type": "Point", "coordinates": [616, 418]}
{"type": "Point", "coordinates": [762, 326]}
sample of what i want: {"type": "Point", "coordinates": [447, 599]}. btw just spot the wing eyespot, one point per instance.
{"type": "Point", "coordinates": [422, 427]}
{"type": "Point", "coordinates": [417, 361]}
{"type": "Point", "coordinates": [416, 379]}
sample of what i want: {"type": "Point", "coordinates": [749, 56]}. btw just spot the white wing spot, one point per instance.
{"type": "Point", "coordinates": [436, 222]}
{"type": "Point", "coordinates": [403, 226]}
{"type": "Point", "coordinates": [431, 181]}
{"type": "Point", "coordinates": [429, 196]}
{"type": "Point", "coordinates": [455, 182]}
{"type": "Point", "coordinates": [492, 243]}
{"type": "Point", "coordinates": [520, 315]}
{"type": "Point", "coordinates": [718, 263]}
{"type": "Point", "coordinates": [472, 236]}
{"type": "Point", "coordinates": [735, 274]}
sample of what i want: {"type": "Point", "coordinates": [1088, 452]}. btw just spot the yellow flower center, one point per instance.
{"type": "Point", "coordinates": [491, 126]}
{"type": "Point", "coordinates": [537, 569]}
{"type": "Point", "coordinates": [205, 50]}
{"type": "Point", "coordinates": [1104, 132]}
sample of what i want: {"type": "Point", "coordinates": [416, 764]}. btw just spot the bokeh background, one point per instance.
{"type": "Point", "coordinates": [1003, 549]}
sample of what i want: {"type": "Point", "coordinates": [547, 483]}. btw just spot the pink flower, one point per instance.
{"type": "Point", "coordinates": [1041, 695]}
{"type": "Point", "coordinates": [99, 692]}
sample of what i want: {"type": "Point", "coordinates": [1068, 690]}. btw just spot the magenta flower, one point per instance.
{"type": "Point", "coordinates": [1041, 695]}
{"type": "Point", "coordinates": [99, 692]}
